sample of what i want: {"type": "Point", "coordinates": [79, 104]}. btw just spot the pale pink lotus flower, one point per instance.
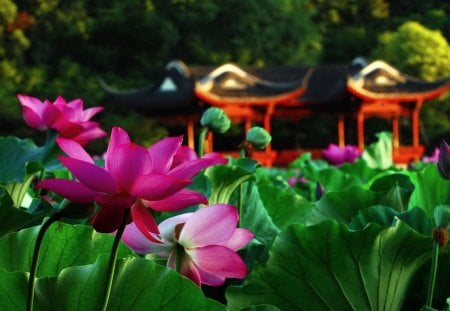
{"type": "Point", "coordinates": [133, 177]}
{"type": "Point", "coordinates": [336, 155]}
{"type": "Point", "coordinates": [203, 243]}
{"type": "Point", "coordinates": [68, 118]}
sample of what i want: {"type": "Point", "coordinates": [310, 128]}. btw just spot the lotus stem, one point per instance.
{"type": "Point", "coordinates": [201, 141]}
{"type": "Point", "coordinates": [242, 153]}
{"type": "Point", "coordinates": [240, 204]}
{"type": "Point", "coordinates": [49, 145]}
{"type": "Point", "coordinates": [113, 258]}
{"type": "Point", "coordinates": [433, 272]}
{"type": "Point", "coordinates": [34, 261]}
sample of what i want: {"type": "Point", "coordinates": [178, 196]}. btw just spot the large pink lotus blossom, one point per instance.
{"type": "Point", "coordinates": [133, 177]}
{"type": "Point", "coordinates": [339, 155]}
{"type": "Point", "coordinates": [68, 118]}
{"type": "Point", "coordinates": [203, 244]}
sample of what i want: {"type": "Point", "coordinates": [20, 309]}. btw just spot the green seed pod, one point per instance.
{"type": "Point", "coordinates": [442, 216]}
{"type": "Point", "coordinates": [259, 137]}
{"type": "Point", "coordinates": [216, 120]}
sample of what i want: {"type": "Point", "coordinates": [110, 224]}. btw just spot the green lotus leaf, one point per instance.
{"type": "Point", "coordinates": [284, 205]}
{"type": "Point", "coordinates": [328, 267]}
{"type": "Point", "coordinates": [63, 246]}
{"type": "Point", "coordinates": [13, 290]}
{"type": "Point", "coordinates": [224, 181]}
{"type": "Point", "coordinates": [378, 155]}
{"type": "Point", "coordinates": [12, 218]}
{"type": "Point", "coordinates": [23, 151]}
{"type": "Point", "coordinates": [386, 216]}
{"type": "Point", "coordinates": [342, 205]}
{"type": "Point", "coordinates": [430, 189]}
{"type": "Point", "coordinates": [139, 284]}
{"type": "Point", "coordinates": [255, 215]}
{"type": "Point", "coordinates": [395, 190]}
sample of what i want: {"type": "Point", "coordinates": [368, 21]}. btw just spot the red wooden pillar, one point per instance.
{"type": "Point", "coordinates": [360, 124]}
{"type": "Point", "coordinates": [341, 129]}
{"type": "Point", "coordinates": [190, 131]}
{"type": "Point", "coordinates": [395, 132]}
{"type": "Point", "coordinates": [267, 125]}
{"type": "Point", "coordinates": [415, 124]}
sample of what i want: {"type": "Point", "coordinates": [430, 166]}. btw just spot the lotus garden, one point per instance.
{"type": "Point", "coordinates": [167, 227]}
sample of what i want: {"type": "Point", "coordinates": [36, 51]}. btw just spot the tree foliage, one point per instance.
{"type": "Point", "coordinates": [52, 47]}
{"type": "Point", "coordinates": [420, 51]}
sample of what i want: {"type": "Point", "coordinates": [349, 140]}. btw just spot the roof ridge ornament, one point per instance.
{"type": "Point", "coordinates": [180, 66]}
{"type": "Point", "coordinates": [207, 83]}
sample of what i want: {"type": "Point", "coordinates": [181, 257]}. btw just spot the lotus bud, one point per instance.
{"type": "Point", "coordinates": [259, 137]}
{"type": "Point", "coordinates": [216, 120]}
{"type": "Point", "coordinates": [442, 216]}
{"type": "Point", "coordinates": [444, 160]}
{"type": "Point", "coordinates": [442, 220]}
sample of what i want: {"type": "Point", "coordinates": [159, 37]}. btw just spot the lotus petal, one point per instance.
{"type": "Point", "coordinates": [218, 260]}
{"type": "Point", "coordinates": [214, 224]}
{"type": "Point", "coordinates": [162, 153]}
{"type": "Point", "coordinates": [178, 200]}
{"type": "Point", "coordinates": [70, 189]}
{"type": "Point", "coordinates": [90, 175]}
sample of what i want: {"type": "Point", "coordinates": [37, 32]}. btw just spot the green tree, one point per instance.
{"type": "Point", "coordinates": [424, 53]}
{"type": "Point", "coordinates": [417, 50]}
{"type": "Point", "coordinates": [202, 32]}
{"type": "Point", "coordinates": [264, 32]}
{"type": "Point", "coordinates": [13, 44]}
{"type": "Point", "coordinates": [349, 28]}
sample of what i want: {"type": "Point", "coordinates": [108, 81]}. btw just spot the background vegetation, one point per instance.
{"type": "Point", "coordinates": [59, 47]}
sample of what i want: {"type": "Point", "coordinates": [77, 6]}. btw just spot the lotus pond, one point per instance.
{"type": "Point", "coordinates": [167, 228]}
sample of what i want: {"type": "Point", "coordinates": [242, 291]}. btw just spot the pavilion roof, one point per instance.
{"type": "Point", "coordinates": [173, 92]}
{"type": "Point", "coordinates": [325, 86]}
{"type": "Point", "coordinates": [381, 81]}
{"type": "Point", "coordinates": [230, 84]}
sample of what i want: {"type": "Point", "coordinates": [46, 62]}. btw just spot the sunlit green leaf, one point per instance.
{"type": "Point", "coordinates": [13, 219]}
{"type": "Point", "coordinates": [64, 245]}
{"type": "Point", "coordinates": [224, 180]}
{"type": "Point", "coordinates": [430, 189]}
{"type": "Point", "coordinates": [379, 154]}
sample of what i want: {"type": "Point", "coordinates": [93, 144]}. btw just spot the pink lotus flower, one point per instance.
{"type": "Point", "coordinates": [133, 177]}
{"type": "Point", "coordinates": [338, 155]}
{"type": "Point", "coordinates": [294, 180]}
{"type": "Point", "coordinates": [433, 158]}
{"type": "Point", "coordinates": [203, 243]}
{"type": "Point", "coordinates": [69, 119]}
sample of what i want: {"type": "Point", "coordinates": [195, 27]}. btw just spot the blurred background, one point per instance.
{"type": "Point", "coordinates": [50, 48]}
